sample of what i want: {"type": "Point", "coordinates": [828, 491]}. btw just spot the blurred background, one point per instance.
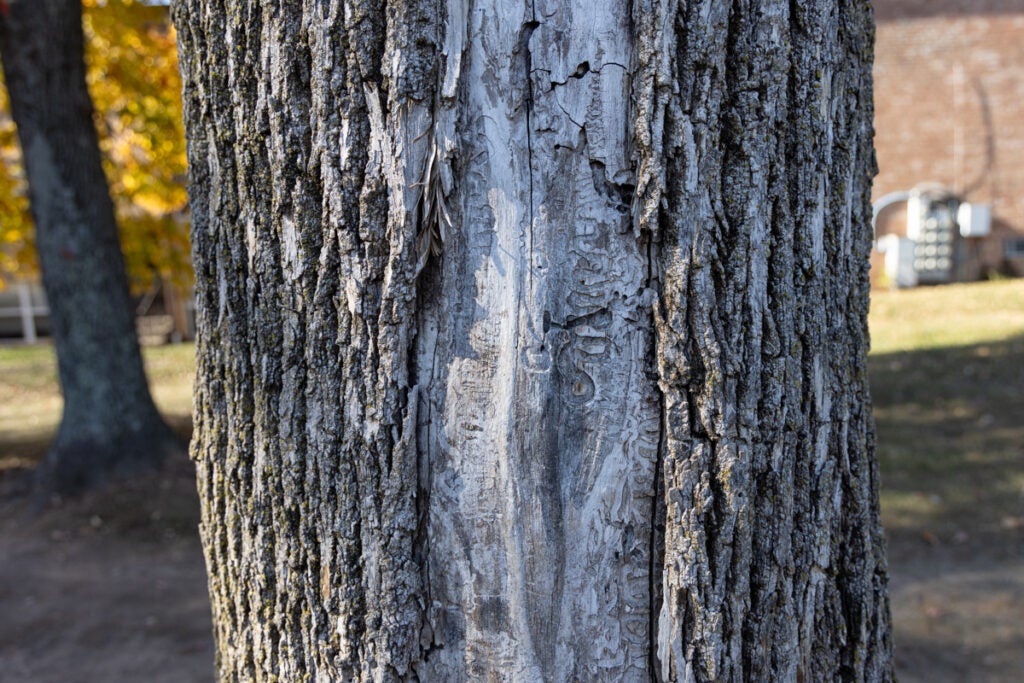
{"type": "Point", "coordinates": [133, 79]}
{"type": "Point", "coordinates": [111, 586]}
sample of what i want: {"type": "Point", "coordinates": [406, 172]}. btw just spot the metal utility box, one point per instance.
{"type": "Point", "coordinates": [975, 220]}
{"type": "Point", "coordinates": [899, 260]}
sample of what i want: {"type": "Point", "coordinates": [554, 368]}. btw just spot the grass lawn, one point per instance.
{"type": "Point", "coordinates": [949, 316]}
{"type": "Point", "coordinates": [947, 371]}
{"type": "Point", "coordinates": [30, 401]}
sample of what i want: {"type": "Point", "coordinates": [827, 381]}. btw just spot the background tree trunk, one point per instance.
{"type": "Point", "coordinates": [109, 424]}
{"type": "Point", "coordinates": [617, 427]}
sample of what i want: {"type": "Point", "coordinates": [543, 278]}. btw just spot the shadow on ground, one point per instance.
{"type": "Point", "coordinates": [950, 425]}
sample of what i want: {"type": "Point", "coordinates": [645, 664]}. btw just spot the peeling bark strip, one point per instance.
{"type": "Point", "coordinates": [532, 339]}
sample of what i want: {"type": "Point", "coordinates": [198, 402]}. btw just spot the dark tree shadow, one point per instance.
{"type": "Point", "coordinates": [950, 425]}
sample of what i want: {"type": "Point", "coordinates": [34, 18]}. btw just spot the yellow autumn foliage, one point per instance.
{"type": "Point", "coordinates": [17, 251]}
{"type": "Point", "coordinates": [136, 89]}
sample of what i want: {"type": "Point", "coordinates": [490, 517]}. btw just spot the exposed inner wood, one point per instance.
{"type": "Point", "coordinates": [539, 415]}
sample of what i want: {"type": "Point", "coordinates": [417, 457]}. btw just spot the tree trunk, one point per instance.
{"type": "Point", "coordinates": [532, 339]}
{"type": "Point", "coordinates": [110, 424]}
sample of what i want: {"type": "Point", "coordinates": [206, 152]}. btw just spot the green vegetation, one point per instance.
{"type": "Point", "coordinates": [953, 315]}
{"type": "Point", "coordinates": [947, 373]}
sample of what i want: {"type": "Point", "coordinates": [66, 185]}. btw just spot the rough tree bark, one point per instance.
{"type": "Point", "coordinates": [532, 339]}
{"type": "Point", "coordinates": [109, 424]}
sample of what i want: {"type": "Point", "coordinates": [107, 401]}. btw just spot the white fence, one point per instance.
{"type": "Point", "coordinates": [20, 307]}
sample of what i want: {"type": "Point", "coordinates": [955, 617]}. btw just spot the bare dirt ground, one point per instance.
{"type": "Point", "coordinates": [950, 424]}
{"type": "Point", "coordinates": [112, 588]}
{"type": "Point", "coordinates": [958, 609]}
{"type": "Point", "coordinates": [105, 589]}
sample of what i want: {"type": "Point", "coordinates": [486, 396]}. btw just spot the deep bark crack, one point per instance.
{"type": "Point", "coordinates": [525, 33]}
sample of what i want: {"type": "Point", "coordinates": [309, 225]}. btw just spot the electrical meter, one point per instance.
{"type": "Point", "coordinates": [932, 218]}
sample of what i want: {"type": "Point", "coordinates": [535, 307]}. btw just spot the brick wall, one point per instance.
{"type": "Point", "coordinates": [949, 99]}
